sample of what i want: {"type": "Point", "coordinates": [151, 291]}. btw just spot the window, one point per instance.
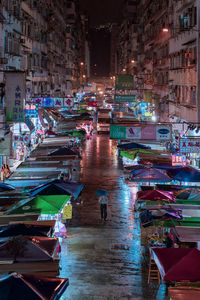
{"type": "Point", "coordinates": [193, 95]}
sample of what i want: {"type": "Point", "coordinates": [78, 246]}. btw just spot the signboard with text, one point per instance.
{"type": "Point", "coordinates": [124, 98]}
{"type": "Point", "coordinates": [141, 132]}
{"type": "Point", "coordinates": [31, 110]}
{"type": "Point", "coordinates": [53, 102]}
{"type": "Point", "coordinates": [22, 138]}
{"type": "Point", "coordinates": [178, 160]}
{"type": "Point", "coordinates": [189, 145]}
{"type": "Point", "coordinates": [124, 82]}
{"type": "Point", "coordinates": [15, 96]}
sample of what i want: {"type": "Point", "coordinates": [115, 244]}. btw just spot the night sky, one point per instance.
{"type": "Point", "coordinates": [101, 12]}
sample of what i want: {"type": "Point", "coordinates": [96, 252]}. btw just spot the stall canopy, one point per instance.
{"type": "Point", "coordinates": [58, 187]}
{"type": "Point", "coordinates": [186, 221]}
{"type": "Point", "coordinates": [156, 195]}
{"type": "Point", "coordinates": [187, 234]}
{"type": "Point", "coordinates": [156, 160]}
{"type": "Point", "coordinates": [151, 175]}
{"type": "Point", "coordinates": [188, 194]}
{"type": "Point", "coordinates": [133, 146]}
{"type": "Point", "coordinates": [133, 153]}
{"type": "Point", "coordinates": [22, 229]}
{"type": "Point", "coordinates": [184, 293]}
{"type": "Point", "coordinates": [187, 174]}
{"type": "Point", "coordinates": [138, 168]}
{"type": "Point", "coordinates": [178, 264]}
{"type": "Point", "coordinates": [147, 217]}
{"type": "Point", "coordinates": [17, 287]}
{"type": "Point", "coordinates": [44, 204]}
{"type": "Point", "coordinates": [24, 249]}
{"type": "Point", "coordinates": [6, 187]}
{"type": "Point", "coordinates": [62, 151]}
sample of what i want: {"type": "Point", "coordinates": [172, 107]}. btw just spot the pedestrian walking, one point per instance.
{"type": "Point", "coordinates": [103, 200]}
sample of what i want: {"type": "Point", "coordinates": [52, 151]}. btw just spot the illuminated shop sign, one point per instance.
{"type": "Point", "coordinates": [178, 160]}
{"type": "Point", "coordinates": [53, 102]}
{"type": "Point", "coordinates": [190, 145]}
{"type": "Point", "coordinates": [31, 110]}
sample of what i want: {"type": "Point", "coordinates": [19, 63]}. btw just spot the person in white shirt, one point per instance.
{"type": "Point", "coordinates": [103, 200]}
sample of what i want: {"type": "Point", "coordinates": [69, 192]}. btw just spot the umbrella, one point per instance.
{"type": "Point", "coordinates": [101, 192]}
{"type": "Point", "coordinates": [17, 287]}
{"type": "Point", "coordinates": [151, 174]}
{"type": "Point", "coordinates": [178, 264]}
{"type": "Point", "coordinates": [133, 146]}
{"type": "Point", "coordinates": [6, 187]}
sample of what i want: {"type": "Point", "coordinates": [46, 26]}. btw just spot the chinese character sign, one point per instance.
{"type": "Point", "coordinates": [21, 138]}
{"type": "Point", "coordinates": [178, 160]}
{"type": "Point", "coordinates": [141, 132]}
{"type": "Point", "coordinates": [188, 145]}
{"type": "Point", "coordinates": [15, 96]}
{"type": "Point", "coordinates": [31, 110]}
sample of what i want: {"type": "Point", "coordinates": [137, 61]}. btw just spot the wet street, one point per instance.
{"type": "Point", "coordinates": [103, 260]}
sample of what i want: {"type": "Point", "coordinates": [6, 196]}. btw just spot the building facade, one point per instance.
{"type": "Point", "coordinates": [183, 69]}
{"type": "Point", "coordinates": [167, 56]}
{"type": "Point", "coordinates": [47, 41]}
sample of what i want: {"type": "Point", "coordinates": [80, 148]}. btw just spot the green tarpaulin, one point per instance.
{"type": "Point", "coordinates": [50, 204]}
{"type": "Point", "coordinates": [193, 222]}
{"type": "Point", "coordinates": [178, 201]}
{"type": "Point", "coordinates": [133, 153]}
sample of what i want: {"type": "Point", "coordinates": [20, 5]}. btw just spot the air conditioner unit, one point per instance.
{"type": "Point", "coordinates": [22, 41]}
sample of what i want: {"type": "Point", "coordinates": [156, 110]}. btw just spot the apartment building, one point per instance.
{"type": "Point", "coordinates": [46, 40]}
{"type": "Point", "coordinates": [184, 61]}
{"type": "Point", "coordinates": [127, 39]}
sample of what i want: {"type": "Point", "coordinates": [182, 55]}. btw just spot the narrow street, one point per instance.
{"type": "Point", "coordinates": [103, 260]}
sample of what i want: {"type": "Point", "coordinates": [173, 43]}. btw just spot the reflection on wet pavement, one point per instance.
{"type": "Point", "coordinates": [103, 260]}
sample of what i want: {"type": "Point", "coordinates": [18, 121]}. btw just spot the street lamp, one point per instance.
{"type": "Point", "coordinates": [132, 61]}
{"type": "Point", "coordinates": [165, 29]}
{"type": "Point", "coordinates": [82, 63]}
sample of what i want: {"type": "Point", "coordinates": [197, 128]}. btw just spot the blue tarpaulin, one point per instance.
{"type": "Point", "coordinates": [133, 146]}
{"type": "Point", "coordinates": [58, 187]}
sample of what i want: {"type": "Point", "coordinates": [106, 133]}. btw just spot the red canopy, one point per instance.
{"type": "Point", "coordinates": [32, 287]}
{"type": "Point", "coordinates": [178, 264]}
{"type": "Point", "coordinates": [156, 195]}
